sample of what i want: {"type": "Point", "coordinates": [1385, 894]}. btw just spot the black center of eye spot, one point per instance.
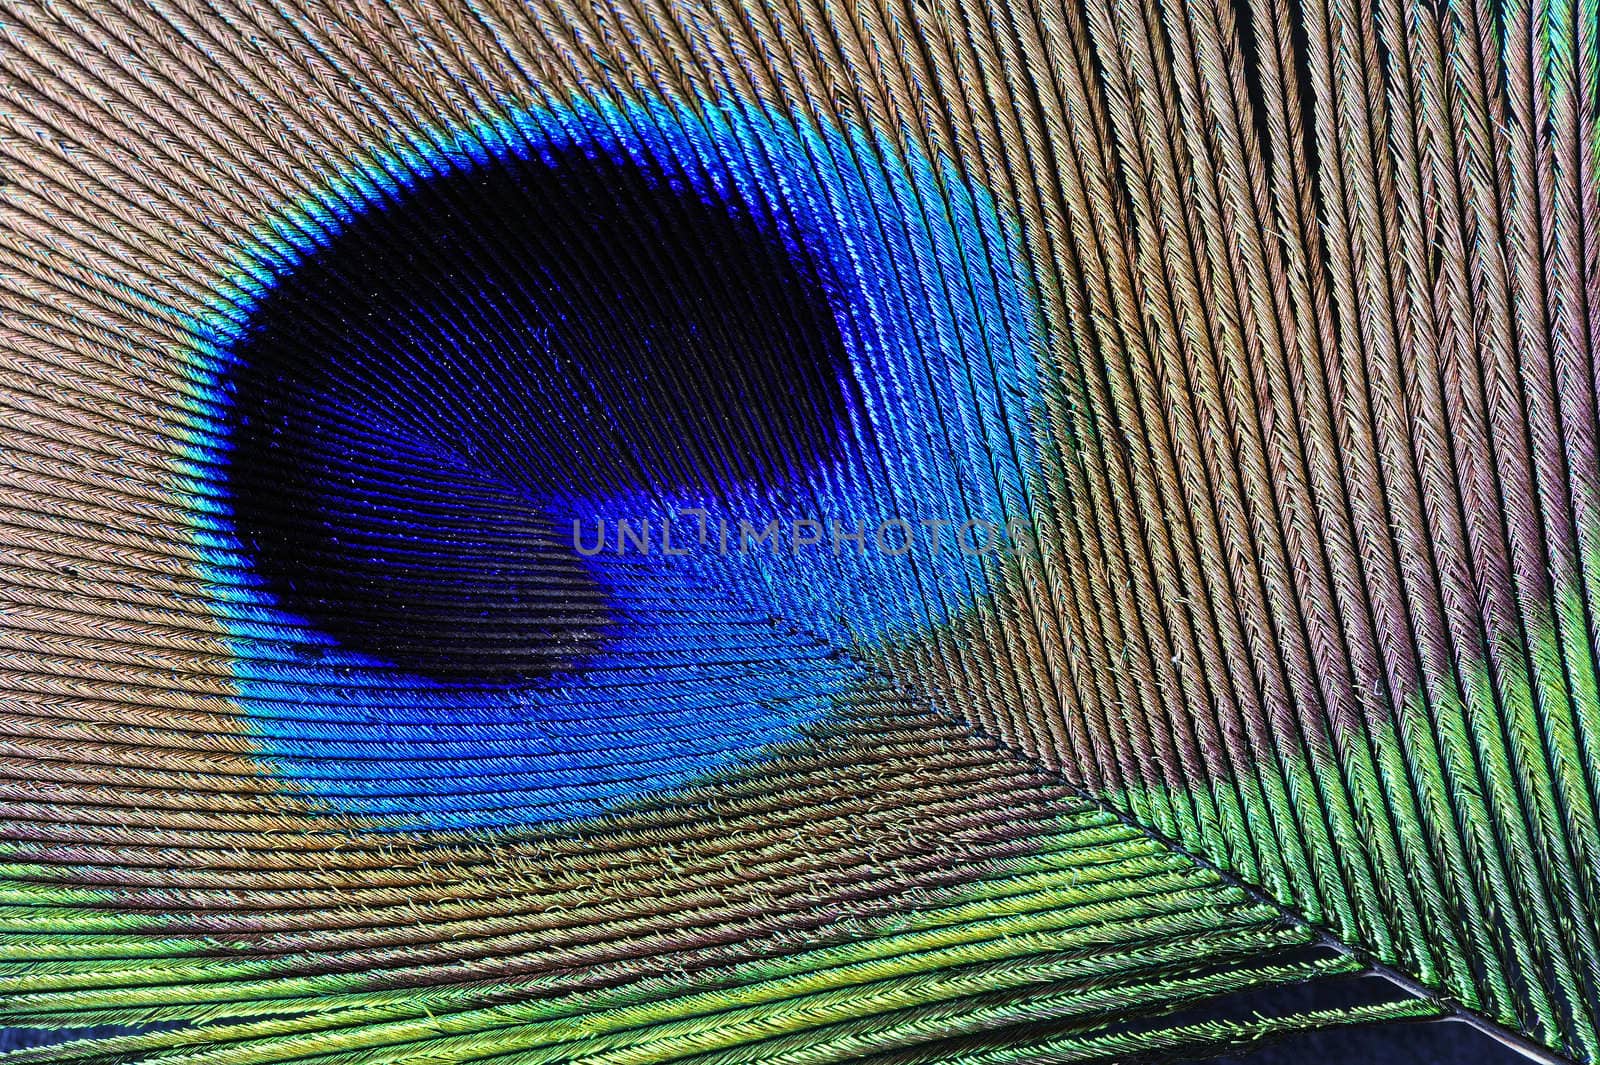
{"type": "Point", "coordinates": [409, 400]}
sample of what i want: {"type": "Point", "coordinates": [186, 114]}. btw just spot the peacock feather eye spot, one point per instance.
{"type": "Point", "coordinates": [422, 406]}
{"type": "Point", "coordinates": [953, 533]}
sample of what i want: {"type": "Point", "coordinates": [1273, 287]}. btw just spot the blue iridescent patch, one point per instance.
{"type": "Point", "coordinates": [424, 454]}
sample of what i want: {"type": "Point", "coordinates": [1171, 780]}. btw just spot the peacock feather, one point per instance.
{"type": "Point", "coordinates": [732, 532]}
